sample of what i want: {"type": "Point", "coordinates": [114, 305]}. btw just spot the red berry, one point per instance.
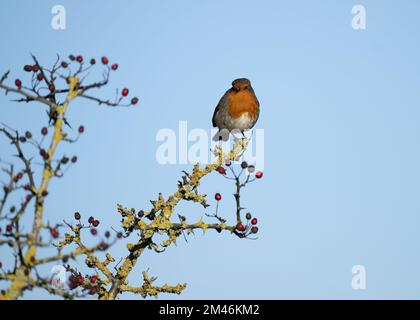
{"type": "Point", "coordinates": [44, 193]}
{"type": "Point", "coordinates": [64, 64]}
{"type": "Point", "coordinates": [94, 232]}
{"type": "Point", "coordinates": [91, 220]}
{"type": "Point", "coordinates": [27, 68]}
{"type": "Point", "coordinates": [119, 235]}
{"type": "Point", "coordinates": [221, 170]}
{"type": "Point", "coordinates": [104, 60]}
{"type": "Point", "coordinates": [77, 215]}
{"type": "Point", "coordinates": [27, 187]}
{"type": "Point", "coordinates": [218, 196]}
{"type": "Point", "coordinates": [79, 59]}
{"type": "Point", "coordinates": [35, 68]}
{"type": "Point", "coordinates": [9, 228]}
{"type": "Point", "coordinates": [64, 160]}
{"type": "Point", "coordinates": [95, 223]}
{"type": "Point", "coordinates": [18, 83]}
{"type": "Point", "coordinates": [81, 129]}
{"type": "Point", "coordinates": [54, 233]}
{"type": "Point", "coordinates": [1, 265]}
{"type": "Point", "coordinates": [80, 280]}
{"type": "Point", "coordinates": [44, 154]}
{"type": "Point", "coordinates": [51, 87]}
{"type": "Point", "coordinates": [254, 221]}
{"type": "Point", "coordinates": [44, 131]}
{"type": "Point", "coordinates": [259, 175]}
{"type": "Point", "coordinates": [40, 77]}
{"type": "Point", "coordinates": [74, 159]}
{"type": "Point", "coordinates": [104, 245]}
{"type": "Point", "coordinates": [240, 227]}
{"type": "Point", "coordinates": [72, 57]}
{"type": "Point", "coordinates": [73, 282]}
{"type": "Point", "coordinates": [1, 229]}
{"type": "Point", "coordinates": [28, 197]}
{"type": "Point", "coordinates": [93, 279]}
{"type": "Point", "coordinates": [28, 135]}
{"type": "Point", "coordinates": [134, 100]}
{"type": "Point", "coordinates": [93, 290]}
{"type": "Point", "coordinates": [254, 229]}
{"type": "Point", "coordinates": [114, 66]}
{"type": "Point", "coordinates": [19, 176]}
{"type": "Point", "coordinates": [125, 92]}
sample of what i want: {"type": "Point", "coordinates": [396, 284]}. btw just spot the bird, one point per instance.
{"type": "Point", "coordinates": [238, 110]}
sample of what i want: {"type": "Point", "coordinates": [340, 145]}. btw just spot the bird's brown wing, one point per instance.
{"type": "Point", "coordinates": [214, 114]}
{"type": "Point", "coordinates": [221, 103]}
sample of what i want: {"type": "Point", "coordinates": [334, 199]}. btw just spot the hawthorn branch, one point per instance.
{"type": "Point", "coordinates": [161, 222]}
{"type": "Point", "coordinates": [28, 97]}
{"type": "Point", "coordinates": [25, 245]}
{"type": "Point", "coordinates": [6, 190]}
{"type": "Point", "coordinates": [148, 289]}
{"type": "Point", "coordinates": [116, 103]}
{"type": "Point", "coordinates": [73, 254]}
{"type": "Point", "coordinates": [27, 163]}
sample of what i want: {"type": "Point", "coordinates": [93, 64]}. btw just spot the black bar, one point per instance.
{"type": "Point", "coordinates": [210, 309]}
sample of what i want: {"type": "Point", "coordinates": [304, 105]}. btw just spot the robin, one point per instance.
{"type": "Point", "coordinates": [237, 110]}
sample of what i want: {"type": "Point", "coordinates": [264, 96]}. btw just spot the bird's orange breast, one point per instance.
{"type": "Point", "coordinates": [241, 102]}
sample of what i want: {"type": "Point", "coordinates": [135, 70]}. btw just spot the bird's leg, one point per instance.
{"type": "Point", "coordinates": [243, 138]}
{"type": "Point", "coordinates": [220, 142]}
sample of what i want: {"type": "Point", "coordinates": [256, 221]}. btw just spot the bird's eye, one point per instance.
{"type": "Point", "coordinates": [246, 87]}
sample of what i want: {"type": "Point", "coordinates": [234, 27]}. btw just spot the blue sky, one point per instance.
{"type": "Point", "coordinates": [340, 111]}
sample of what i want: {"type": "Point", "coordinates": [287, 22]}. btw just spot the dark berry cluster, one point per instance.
{"type": "Point", "coordinates": [250, 227]}
{"type": "Point", "coordinates": [244, 166]}
{"type": "Point", "coordinates": [90, 284]}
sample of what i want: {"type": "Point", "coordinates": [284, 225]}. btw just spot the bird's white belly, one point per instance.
{"type": "Point", "coordinates": [243, 122]}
